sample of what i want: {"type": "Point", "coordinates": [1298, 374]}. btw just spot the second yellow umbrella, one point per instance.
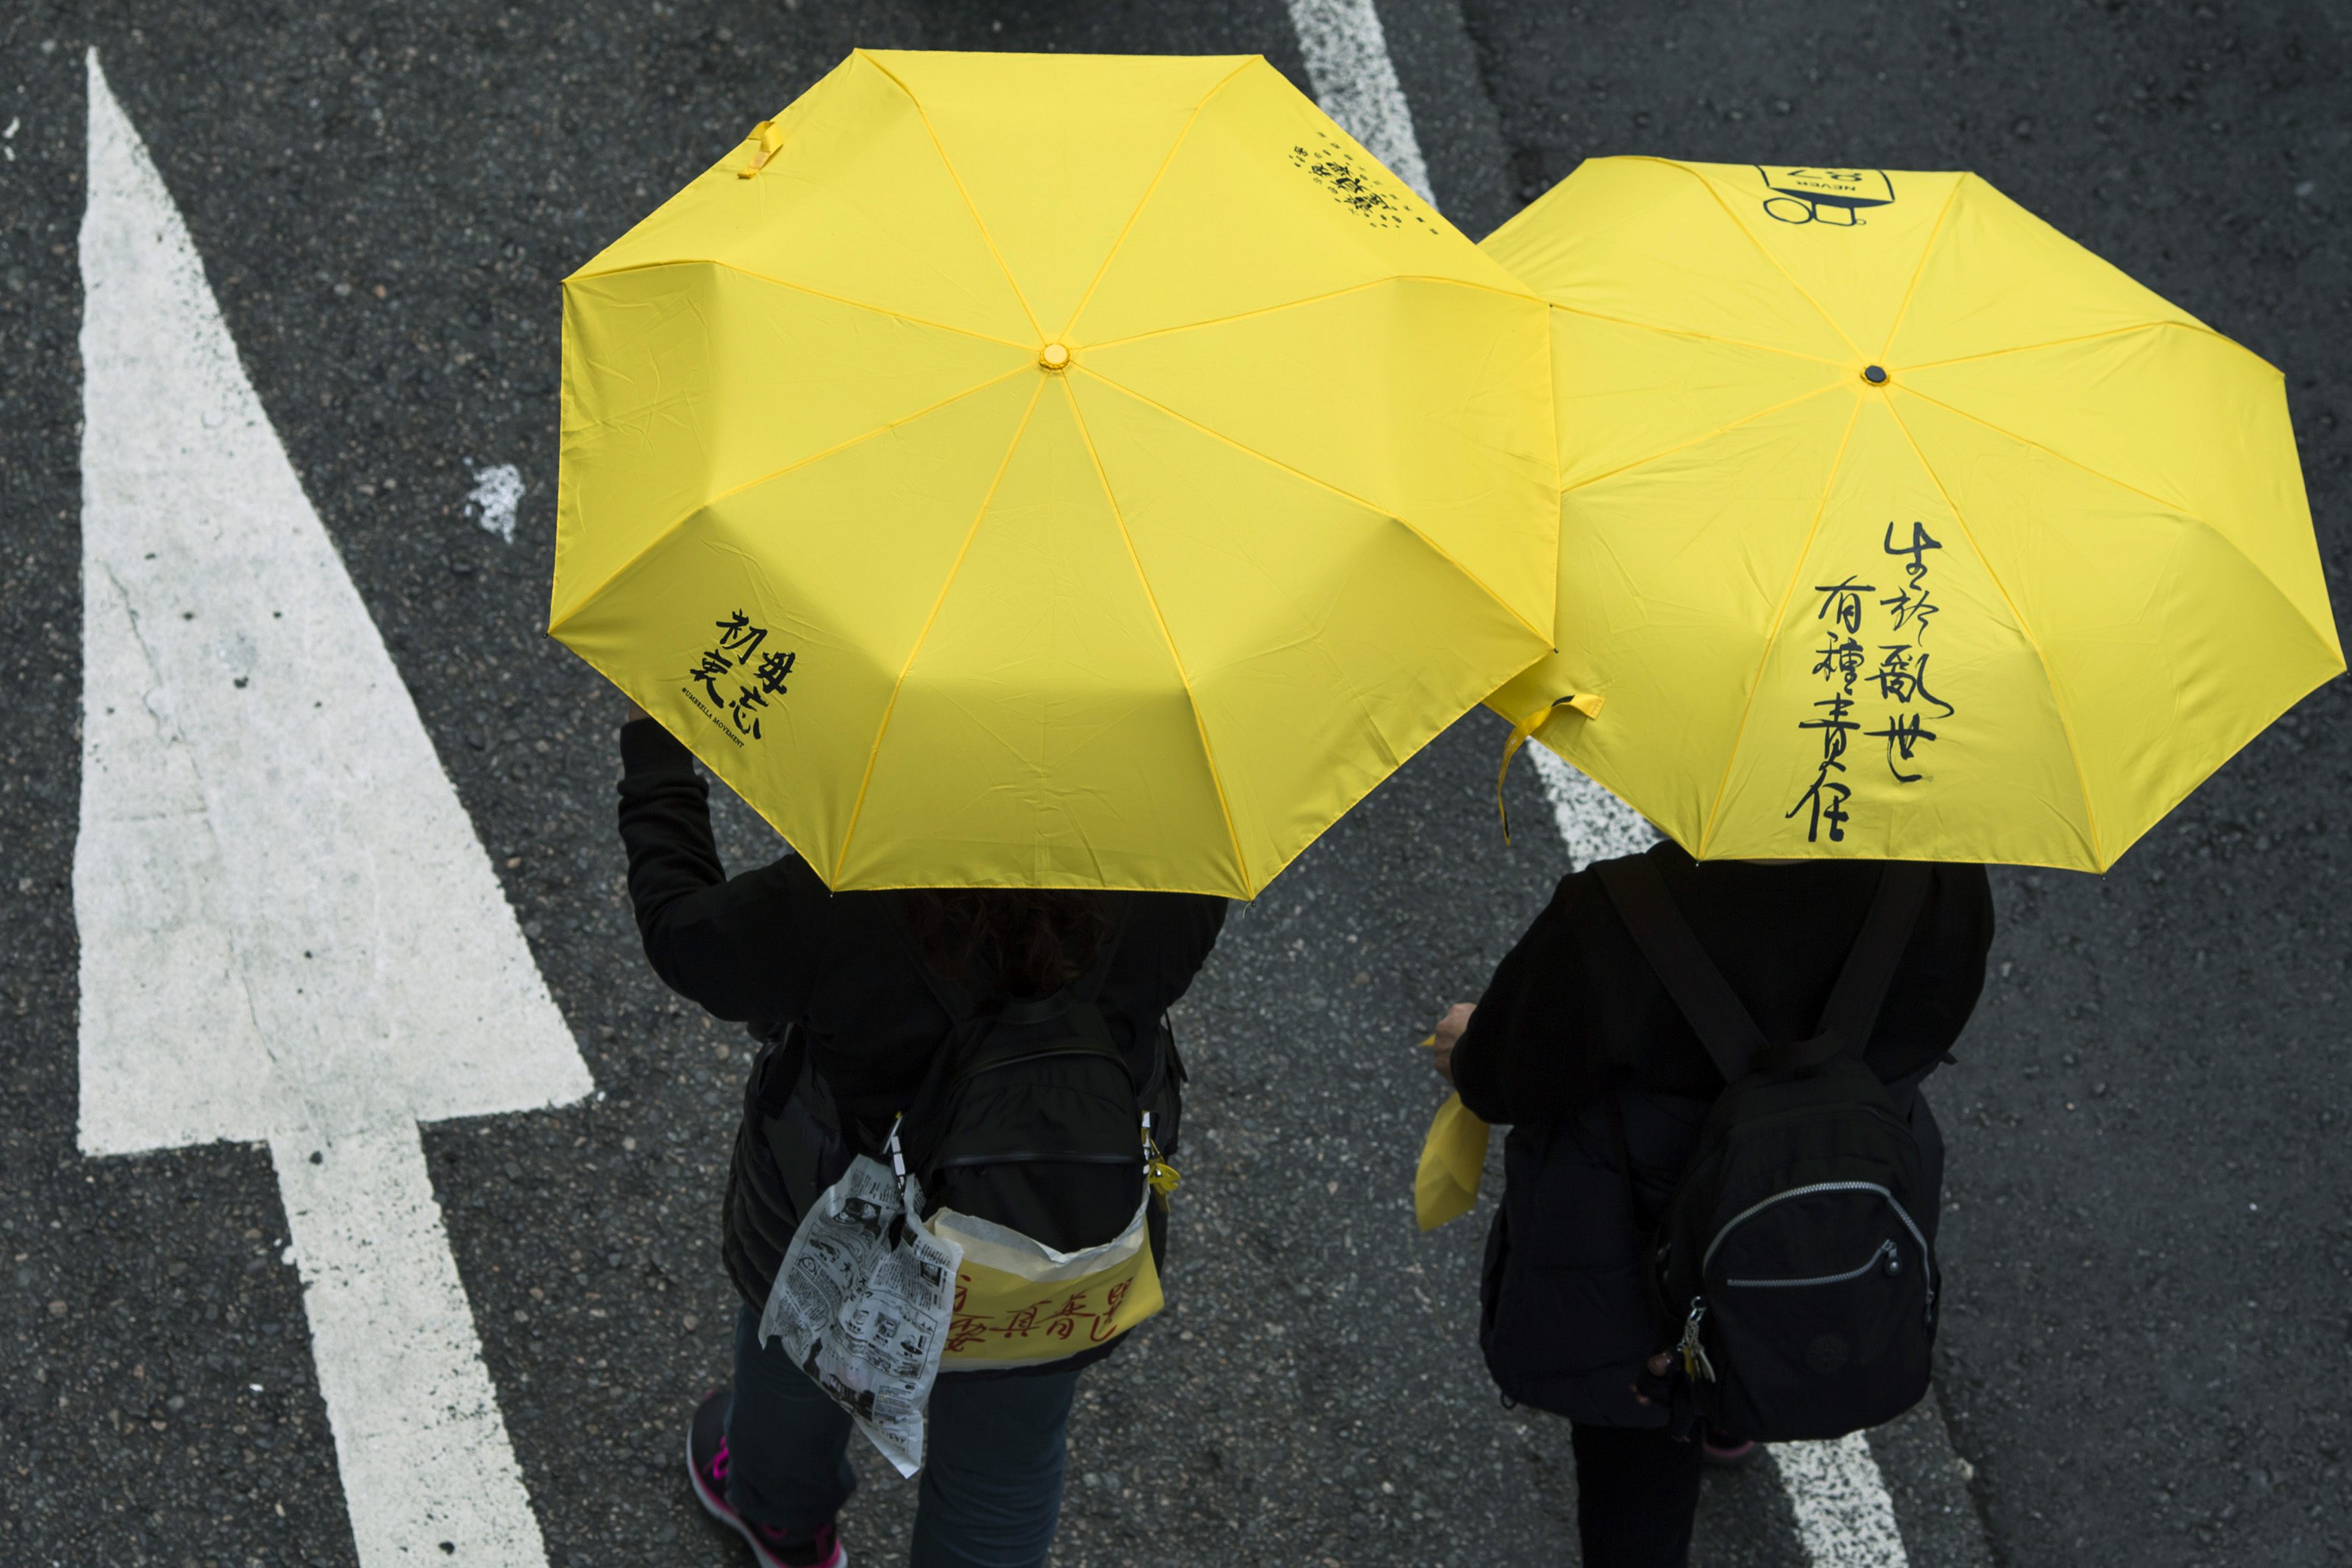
{"type": "Point", "coordinates": [1896, 524]}
{"type": "Point", "coordinates": [1053, 471]}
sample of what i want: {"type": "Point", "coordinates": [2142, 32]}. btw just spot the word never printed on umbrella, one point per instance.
{"type": "Point", "coordinates": [1901, 677]}
{"type": "Point", "coordinates": [737, 646]}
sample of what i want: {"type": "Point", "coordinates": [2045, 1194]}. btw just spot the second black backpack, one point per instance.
{"type": "Point", "coordinates": [1794, 1269]}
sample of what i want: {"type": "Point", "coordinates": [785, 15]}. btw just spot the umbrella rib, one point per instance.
{"type": "Point", "coordinates": [1148, 192]}
{"type": "Point", "coordinates": [1779, 614]}
{"type": "Point", "coordinates": [640, 554]}
{"type": "Point", "coordinates": [1373, 507]}
{"type": "Point", "coordinates": [1700, 439]}
{"type": "Point", "coordinates": [2050, 676]}
{"type": "Point", "coordinates": [2197, 327]}
{"type": "Point", "coordinates": [970, 206]}
{"type": "Point", "coordinates": [858, 807]}
{"type": "Point", "coordinates": [1316, 299]}
{"type": "Point", "coordinates": [1159, 617]}
{"type": "Point", "coordinates": [1733, 218]}
{"type": "Point", "coordinates": [804, 288]}
{"type": "Point", "coordinates": [1920, 271]}
{"type": "Point", "coordinates": [2175, 507]}
{"type": "Point", "coordinates": [1688, 332]}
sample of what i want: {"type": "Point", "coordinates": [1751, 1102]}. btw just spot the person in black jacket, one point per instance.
{"type": "Point", "coordinates": [835, 985]}
{"type": "Point", "coordinates": [1578, 1047]}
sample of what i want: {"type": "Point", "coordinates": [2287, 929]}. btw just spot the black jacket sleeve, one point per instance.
{"type": "Point", "coordinates": [745, 948]}
{"type": "Point", "coordinates": [1538, 1038]}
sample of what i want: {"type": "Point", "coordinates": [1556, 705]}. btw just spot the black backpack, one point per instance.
{"type": "Point", "coordinates": [1795, 1265]}
{"type": "Point", "coordinates": [1031, 1116]}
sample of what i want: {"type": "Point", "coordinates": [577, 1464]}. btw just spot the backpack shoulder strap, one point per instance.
{"type": "Point", "coordinates": [1862, 984]}
{"type": "Point", "coordinates": [1715, 1012]}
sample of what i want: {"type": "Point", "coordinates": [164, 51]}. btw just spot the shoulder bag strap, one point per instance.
{"type": "Point", "coordinates": [1717, 1015]}
{"type": "Point", "coordinates": [1862, 984]}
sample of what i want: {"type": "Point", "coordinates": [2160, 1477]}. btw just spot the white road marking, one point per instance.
{"type": "Point", "coordinates": [1843, 1514]}
{"type": "Point", "coordinates": [1844, 1518]}
{"type": "Point", "coordinates": [1356, 82]}
{"type": "Point", "coordinates": [1593, 824]}
{"type": "Point", "coordinates": [496, 490]}
{"type": "Point", "coordinates": [290, 933]}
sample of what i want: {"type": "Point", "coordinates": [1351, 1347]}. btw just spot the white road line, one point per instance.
{"type": "Point", "coordinates": [290, 933]}
{"type": "Point", "coordinates": [1356, 82]}
{"type": "Point", "coordinates": [1595, 824]}
{"type": "Point", "coordinates": [1843, 1514]}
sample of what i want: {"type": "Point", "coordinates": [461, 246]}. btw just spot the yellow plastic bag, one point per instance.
{"type": "Point", "coordinates": [1453, 1158]}
{"type": "Point", "coordinates": [1019, 1302]}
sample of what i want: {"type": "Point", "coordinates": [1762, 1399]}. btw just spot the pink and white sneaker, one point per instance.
{"type": "Point", "coordinates": [706, 1469]}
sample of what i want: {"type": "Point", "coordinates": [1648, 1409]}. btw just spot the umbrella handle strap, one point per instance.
{"type": "Point", "coordinates": [1585, 703]}
{"type": "Point", "coordinates": [766, 137]}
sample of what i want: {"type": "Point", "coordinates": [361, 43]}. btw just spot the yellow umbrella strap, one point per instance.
{"type": "Point", "coordinates": [769, 136]}
{"type": "Point", "coordinates": [1584, 703]}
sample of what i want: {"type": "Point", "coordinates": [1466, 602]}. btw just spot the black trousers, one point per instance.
{"type": "Point", "coordinates": [1636, 1493]}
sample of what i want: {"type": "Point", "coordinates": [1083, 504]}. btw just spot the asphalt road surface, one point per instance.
{"type": "Point", "coordinates": [2149, 1346]}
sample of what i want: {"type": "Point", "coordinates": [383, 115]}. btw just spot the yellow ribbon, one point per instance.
{"type": "Point", "coordinates": [769, 136]}
{"type": "Point", "coordinates": [1584, 703]}
{"type": "Point", "coordinates": [1453, 1158]}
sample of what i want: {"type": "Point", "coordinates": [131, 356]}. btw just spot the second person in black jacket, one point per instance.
{"type": "Point", "coordinates": [843, 990]}
{"type": "Point", "coordinates": [1575, 1038]}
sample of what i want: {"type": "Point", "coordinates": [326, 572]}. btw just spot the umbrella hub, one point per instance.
{"type": "Point", "coordinates": [1054, 357]}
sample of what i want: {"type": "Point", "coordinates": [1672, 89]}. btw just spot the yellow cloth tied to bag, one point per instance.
{"type": "Point", "coordinates": [1453, 1158]}
{"type": "Point", "coordinates": [1021, 1302]}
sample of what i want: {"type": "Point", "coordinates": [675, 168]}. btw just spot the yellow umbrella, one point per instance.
{"type": "Point", "coordinates": [1896, 524]}
{"type": "Point", "coordinates": [1053, 471]}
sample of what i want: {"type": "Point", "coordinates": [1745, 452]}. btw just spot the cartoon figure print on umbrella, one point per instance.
{"type": "Point", "coordinates": [1834, 197]}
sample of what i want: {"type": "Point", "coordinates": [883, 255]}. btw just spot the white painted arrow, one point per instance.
{"type": "Point", "coordinates": [290, 931]}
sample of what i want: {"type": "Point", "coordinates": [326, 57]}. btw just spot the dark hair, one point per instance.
{"type": "Point", "coordinates": [1018, 942]}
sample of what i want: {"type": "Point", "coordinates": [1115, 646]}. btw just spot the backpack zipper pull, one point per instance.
{"type": "Point", "coordinates": [1162, 1175]}
{"type": "Point", "coordinates": [1696, 1365]}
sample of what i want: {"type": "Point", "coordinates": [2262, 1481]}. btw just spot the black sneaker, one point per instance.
{"type": "Point", "coordinates": [706, 1469]}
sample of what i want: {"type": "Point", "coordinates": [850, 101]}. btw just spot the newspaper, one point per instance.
{"type": "Point", "coordinates": [863, 1303]}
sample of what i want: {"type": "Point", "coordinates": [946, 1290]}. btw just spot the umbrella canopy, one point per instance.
{"type": "Point", "coordinates": [1053, 471]}
{"type": "Point", "coordinates": [1896, 524]}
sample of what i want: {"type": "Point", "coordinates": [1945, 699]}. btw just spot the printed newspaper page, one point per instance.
{"type": "Point", "coordinates": [863, 1304]}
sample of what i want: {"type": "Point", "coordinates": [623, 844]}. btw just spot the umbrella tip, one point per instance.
{"type": "Point", "coordinates": [1054, 357]}
{"type": "Point", "coordinates": [1874, 374]}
